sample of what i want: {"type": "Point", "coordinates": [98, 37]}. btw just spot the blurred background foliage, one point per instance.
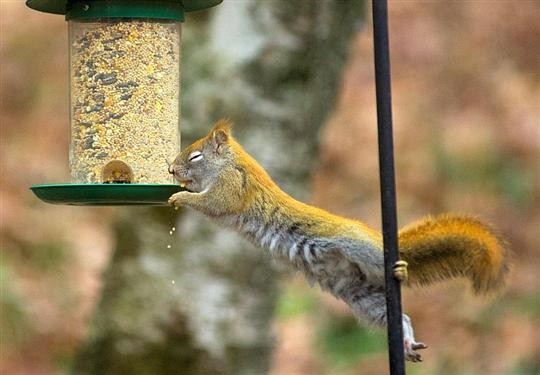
{"type": "Point", "coordinates": [466, 93]}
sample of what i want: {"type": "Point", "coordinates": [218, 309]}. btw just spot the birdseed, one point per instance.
{"type": "Point", "coordinates": [125, 100]}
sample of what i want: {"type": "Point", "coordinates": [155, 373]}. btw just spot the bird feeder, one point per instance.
{"type": "Point", "coordinates": [124, 71]}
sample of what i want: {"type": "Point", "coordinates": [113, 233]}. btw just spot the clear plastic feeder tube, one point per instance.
{"type": "Point", "coordinates": [125, 99]}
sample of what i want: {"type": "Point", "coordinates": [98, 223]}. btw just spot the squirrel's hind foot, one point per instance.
{"type": "Point", "coordinates": [410, 350]}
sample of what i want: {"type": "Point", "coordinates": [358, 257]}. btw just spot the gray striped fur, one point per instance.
{"type": "Point", "coordinates": [349, 269]}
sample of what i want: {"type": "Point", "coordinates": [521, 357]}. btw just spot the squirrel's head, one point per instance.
{"type": "Point", "coordinates": [200, 164]}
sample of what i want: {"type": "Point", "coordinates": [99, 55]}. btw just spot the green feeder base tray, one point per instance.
{"type": "Point", "coordinates": [106, 194]}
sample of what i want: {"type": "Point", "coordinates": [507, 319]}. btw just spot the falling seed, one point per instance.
{"type": "Point", "coordinates": [168, 246]}
{"type": "Point", "coordinates": [170, 232]}
{"type": "Point", "coordinates": [172, 281]}
{"type": "Point", "coordinates": [173, 229]}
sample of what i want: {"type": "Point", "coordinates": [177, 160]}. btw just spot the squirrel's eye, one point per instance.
{"type": "Point", "coordinates": [195, 156]}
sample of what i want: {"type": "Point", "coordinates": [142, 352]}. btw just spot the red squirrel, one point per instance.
{"type": "Point", "coordinates": [344, 256]}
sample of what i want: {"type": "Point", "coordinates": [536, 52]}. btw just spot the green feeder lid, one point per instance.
{"type": "Point", "coordinates": [93, 9]}
{"type": "Point", "coordinates": [106, 194]}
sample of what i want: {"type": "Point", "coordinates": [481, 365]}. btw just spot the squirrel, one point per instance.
{"type": "Point", "coordinates": [344, 256]}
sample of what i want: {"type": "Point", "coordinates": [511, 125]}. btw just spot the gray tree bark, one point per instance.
{"type": "Point", "coordinates": [205, 306]}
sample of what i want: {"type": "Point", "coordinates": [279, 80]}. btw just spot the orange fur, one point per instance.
{"type": "Point", "coordinates": [435, 248]}
{"type": "Point", "coordinates": [321, 223]}
{"type": "Point", "coordinates": [453, 245]}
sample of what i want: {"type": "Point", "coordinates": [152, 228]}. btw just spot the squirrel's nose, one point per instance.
{"type": "Point", "coordinates": [171, 169]}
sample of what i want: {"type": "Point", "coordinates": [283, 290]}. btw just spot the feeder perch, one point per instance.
{"type": "Point", "coordinates": [124, 61]}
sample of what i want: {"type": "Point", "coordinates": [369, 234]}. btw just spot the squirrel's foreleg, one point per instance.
{"type": "Point", "coordinates": [400, 271]}
{"type": "Point", "coordinates": [186, 198]}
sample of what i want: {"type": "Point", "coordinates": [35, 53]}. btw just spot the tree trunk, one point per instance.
{"type": "Point", "coordinates": [205, 305]}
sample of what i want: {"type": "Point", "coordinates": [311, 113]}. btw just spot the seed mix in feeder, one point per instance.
{"type": "Point", "coordinates": [125, 82]}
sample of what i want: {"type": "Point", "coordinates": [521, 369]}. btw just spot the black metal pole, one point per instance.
{"type": "Point", "coordinates": [388, 189]}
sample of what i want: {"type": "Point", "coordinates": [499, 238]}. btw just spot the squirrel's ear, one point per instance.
{"type": "Point", "coordinates": [220, 134]}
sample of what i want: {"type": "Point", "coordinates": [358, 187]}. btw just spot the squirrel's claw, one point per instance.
{"type": "Point", "coordinates": [418, 345]}
{"type": "Point", "coordinates": [410, 350]}
{"type": "Point", "coordinates": [400, 270]}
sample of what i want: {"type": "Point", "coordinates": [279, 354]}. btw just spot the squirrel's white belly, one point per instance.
{"type": "Point", "coordinates": [331, 271]}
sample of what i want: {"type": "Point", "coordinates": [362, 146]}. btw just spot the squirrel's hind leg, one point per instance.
{"type": "Point", "coordinates": [409, 342]}
{"type": "Point", "coordinates": [370, 305]}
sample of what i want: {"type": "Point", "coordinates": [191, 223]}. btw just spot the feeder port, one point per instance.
{"type": "Point", "coordinates": [116, 172]}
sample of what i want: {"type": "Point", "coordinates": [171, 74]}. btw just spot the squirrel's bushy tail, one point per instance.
{"type": "Point", "coordinates": [447, 246]}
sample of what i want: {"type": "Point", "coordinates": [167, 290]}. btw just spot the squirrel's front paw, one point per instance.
{"type": "Point", "coordinates": [178, 199]}
{"type": "Point", "coordinates": [400, 270]}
